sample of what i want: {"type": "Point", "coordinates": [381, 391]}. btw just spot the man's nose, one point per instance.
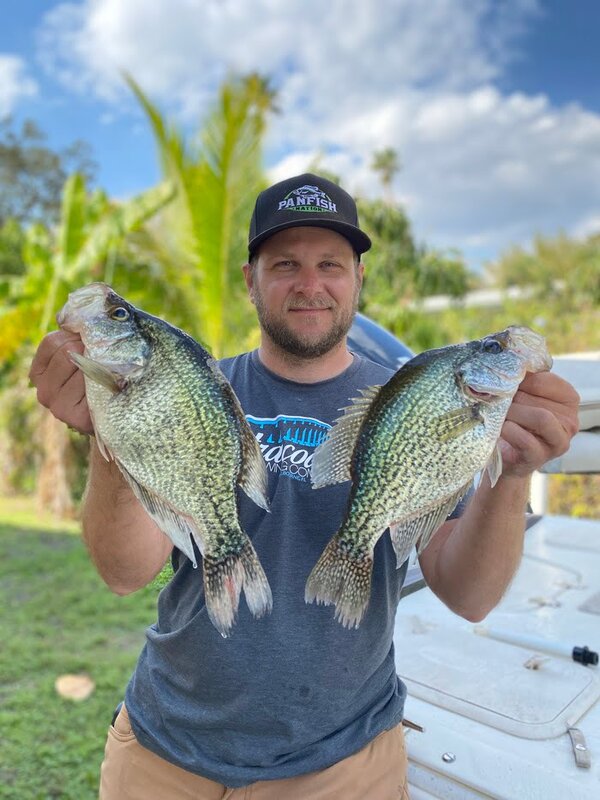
{"type": "Point", "coordinates": [308, 281]}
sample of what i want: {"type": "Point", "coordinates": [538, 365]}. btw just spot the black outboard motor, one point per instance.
{"type": "Point", "coordinates": [372, 341]}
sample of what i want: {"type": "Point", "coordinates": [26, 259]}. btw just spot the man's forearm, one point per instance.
{"type": "Point", "coordinates": [471, 561]}
{"type": "Point", "coordinates": [126, 546]}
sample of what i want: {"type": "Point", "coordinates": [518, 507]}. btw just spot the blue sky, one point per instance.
{"type": "Point", "coordinates": [493, 105]}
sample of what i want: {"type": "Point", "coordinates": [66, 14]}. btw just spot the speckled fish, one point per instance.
{"type": "Point", "coordinates": [162, 409]}
{"type": "Point", "coordinates": [412, 448]}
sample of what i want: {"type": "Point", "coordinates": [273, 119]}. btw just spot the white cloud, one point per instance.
{"type": "Point", "coordinates": [481, 168]}
{"type": "Point", "coordinates": [588, 226]}
{"type": "Point", "coordinates": [14, 83]}
{"type": "Point", "coordinates": [178, 48]}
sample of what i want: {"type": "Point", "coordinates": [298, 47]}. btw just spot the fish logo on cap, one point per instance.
{"type": "Point", "coordinates": [307, 198]}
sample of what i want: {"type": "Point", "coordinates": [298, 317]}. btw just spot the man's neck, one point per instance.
{"type": "Point", "coordinates": [305, 370]}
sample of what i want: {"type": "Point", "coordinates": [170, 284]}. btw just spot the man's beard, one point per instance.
{"type": "Point", "coordinates": [302, 347]}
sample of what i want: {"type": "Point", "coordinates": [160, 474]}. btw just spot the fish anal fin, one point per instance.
{"type": "Point", "coordinates": [420, 529]}
{"type": "Point", "coordinates": [333, 458]}
{"type": "Point", "coordinates": [180, 528]}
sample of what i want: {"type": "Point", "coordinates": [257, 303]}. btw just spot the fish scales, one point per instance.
{"type": "Point", "coordinates": [176, 430]}
{"type": "Point", "coordinates": [412, 453]}
{"type": "Point", "coordinates": [161, 398]}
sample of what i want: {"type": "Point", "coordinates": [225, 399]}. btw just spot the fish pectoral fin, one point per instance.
{"type": "Point", "coordinates": [494, 465]}
{"type": "Point", "coordinates": [455, 423]}
{"type": "Point", "coordinates": [113, 377]}
{"type": "Point", "coordinates": [181, 529]}
{"type": "Point", "coordinates": [253, 472]}
{"type": "Point", "coordinates": [332, 459]}
{"type": "Point", "coordinates": [421, 529]}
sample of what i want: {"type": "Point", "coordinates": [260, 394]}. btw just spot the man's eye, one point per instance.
{"type": "Point", "coordinates": [284, 264]}
{"type": "Point", "coordinates": [330, 265]}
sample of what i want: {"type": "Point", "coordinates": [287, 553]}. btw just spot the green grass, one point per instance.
{"type": "Point", "coordinates": [57, 617]}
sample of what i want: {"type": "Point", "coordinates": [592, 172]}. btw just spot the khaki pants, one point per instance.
{"type": "Point", "coordinates": [131, 772]}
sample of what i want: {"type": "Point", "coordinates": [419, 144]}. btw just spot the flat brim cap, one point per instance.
{"type": "Point", "coordinates": [306, 200]}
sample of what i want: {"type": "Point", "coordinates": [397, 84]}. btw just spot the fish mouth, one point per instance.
{"type": "Point", "coordinates": [479, 396]}
{"type": "Point", "coordinates": [530, 346]}
{"type": "Point", "coordinates": [81, 304]}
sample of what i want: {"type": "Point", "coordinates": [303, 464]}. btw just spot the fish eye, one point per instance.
{"type": "Point", "coordinates": [491, 346]}
{"type": "Point", "coordinates": [119, 313]}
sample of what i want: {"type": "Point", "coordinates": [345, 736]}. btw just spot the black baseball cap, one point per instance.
{"type": "Point", "coordinates": [305, 200]}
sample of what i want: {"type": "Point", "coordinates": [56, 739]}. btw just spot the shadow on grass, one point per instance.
{"type": "Point", "coordinates": [58, 617]}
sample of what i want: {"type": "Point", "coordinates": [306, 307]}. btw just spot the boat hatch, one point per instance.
{"type": "Point", "coordinates": [487, 680]}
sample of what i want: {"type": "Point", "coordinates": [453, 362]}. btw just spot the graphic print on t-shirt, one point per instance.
{"type": "Point", "coordinates": [288, 443]}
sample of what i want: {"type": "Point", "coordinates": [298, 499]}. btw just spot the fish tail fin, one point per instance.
{"type": "Point", "coordinates": [223, 580]}
{"type": "Point", "coordinates": [256, 586]}
{"type": "Point", "coordinates": [342, 578]}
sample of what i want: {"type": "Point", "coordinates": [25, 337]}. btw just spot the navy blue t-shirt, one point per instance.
{"type": "Point", "coordinates": [294, 691]}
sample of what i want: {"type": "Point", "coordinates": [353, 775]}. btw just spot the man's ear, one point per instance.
{"type": "Point", "coordinates": [249, 278]}
{"type": "Point", "coordinates": [361, 274]}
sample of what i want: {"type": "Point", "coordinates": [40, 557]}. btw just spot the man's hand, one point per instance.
{"type": "Point", "coordinates": [60, 385]}
{"type": "Point", "coordinates": [540, 423]}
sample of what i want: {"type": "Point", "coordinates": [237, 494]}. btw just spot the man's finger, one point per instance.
{"type": "Point", "coordinates": [72, 392]}
{"type": "Point", "coordinates": [48, 347]}
{"type": "Point", "coordinates": [549, 386]}
{"type": "Point", "coordinates": [58, 371]}
{"type": "Point", "coordinates": [542, 423]}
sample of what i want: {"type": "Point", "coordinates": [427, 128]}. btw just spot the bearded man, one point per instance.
{"type": "Point", "coordinates": [292, 706]}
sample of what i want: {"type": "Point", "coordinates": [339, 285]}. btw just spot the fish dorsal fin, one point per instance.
{"type": "Point", "coordinates": [332, 459]}
{"type": "Point", "coordinates": [421, 529]}
{"type": "Point", "coordinates": [253, 472]}
{"type": "Point", "coordinates": [180, 528]}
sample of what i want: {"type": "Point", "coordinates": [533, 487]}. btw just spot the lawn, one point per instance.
{"type": "Point", "coordinates": [58, 617]}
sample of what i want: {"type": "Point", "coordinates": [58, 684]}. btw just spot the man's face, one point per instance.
{"type": "Point", "coordinates": [305, 286]}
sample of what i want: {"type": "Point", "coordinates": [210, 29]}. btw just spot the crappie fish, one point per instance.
{"type": "Point", "coordinates": [412, 448]}
{"type": "Point", "coordinates": [166, 414]}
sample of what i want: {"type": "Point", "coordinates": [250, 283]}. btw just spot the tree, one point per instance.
{"type": "Point", "coordinates": [201, 240]}
{"type": "Point", "coordinates": [32, 175]}
{"type": "Point", "coordinates": [79, 250]}
{"type": "Point", "coordinates": [442, 273]}
{"type": "Point", "coordinates": [553, 265]}
{"type": "Point", "coordinates": [391, 263]}
{"type": "Point", "coordinates": [386, 163]}
{"type": "Point", "coordinates": [399, 273]}
{"type": "Point", "coordinates": [12, 239]}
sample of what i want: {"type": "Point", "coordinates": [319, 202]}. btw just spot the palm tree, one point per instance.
{"type": "Point", "coordinates": [81, 249]}
{"type": "Point", "coordinates": [386, 163]}
{"type": "Point", "coordinates": [202, 233]}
